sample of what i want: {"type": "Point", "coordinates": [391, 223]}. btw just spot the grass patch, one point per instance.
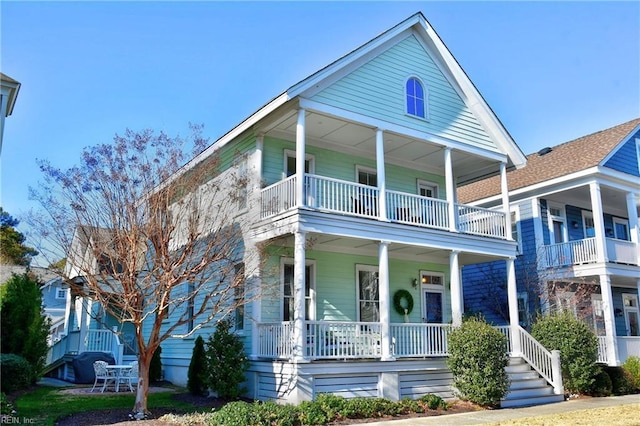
{"type": "Point", "coordinates": [45, 404]}
{"type": "Point", "coordinates": [624, 415]}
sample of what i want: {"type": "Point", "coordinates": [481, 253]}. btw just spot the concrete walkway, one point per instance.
{"type": "Point", "coordinates": [493, 416]}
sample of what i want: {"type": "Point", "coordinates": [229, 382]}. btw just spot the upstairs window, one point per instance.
{"type": "Point", "coordinates": [415, 98]}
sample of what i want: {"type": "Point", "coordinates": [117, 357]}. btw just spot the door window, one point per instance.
{"type": "Point", "coordinates": [432, 296]}
{"type": "Point", "coordinates": [621, 229]}
{"type": "Point", "coordinates": [368, 293]}
{"type": "Point", "coordinates": [288, 313]}
{"type": "Point", "coordinates": [631, 314]}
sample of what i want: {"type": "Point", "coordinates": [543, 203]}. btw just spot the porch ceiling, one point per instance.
{"type": "Point", "coordinates": [352, 138]}
{"type": "Point", "coordinates": [613, 201]}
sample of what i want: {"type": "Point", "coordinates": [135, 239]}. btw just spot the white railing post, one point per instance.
{"type": "Point", "coordinates": [556, 368]}
{"type": "Point", "coordinates": [451, 190]}
{"type": "Point", "coordinates": [300, 157]}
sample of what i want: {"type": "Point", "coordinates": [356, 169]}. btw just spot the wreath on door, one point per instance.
{"type": "Point", "coordinates": [403, 301]}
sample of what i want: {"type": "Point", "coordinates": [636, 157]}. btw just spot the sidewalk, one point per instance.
{"type": "Point", "coordinates": [492, 416]}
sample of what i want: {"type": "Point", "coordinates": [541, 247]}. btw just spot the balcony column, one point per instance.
{"type": "Point", "coordinates": [512, 298]}
{"type": "Point", "coordinates": [505, 200]}
{"type": "Point", "coordinates": [609, 319]}
{"type": "Point", "coordinates": [632, 214]}
{"type": "Point", "coordinates": [598, 221]}
{"type": "Point", "coordinates": [300, 157]}
{"type": "Point", "coordinates": [382, 181]}
{"type": "Point", "coordinates": [84, 322]}
{"type": "Point", "coordinates": [455, 284]}
{"type": "Point", "coordinates": [299, 328]}
{"type": "Point", "coordinates": [384, 299]}
{"type": "Point", "coordinates": [451, 190]}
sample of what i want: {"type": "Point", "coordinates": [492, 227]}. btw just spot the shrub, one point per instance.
{"type": "Point", "coordinates": [6, 407]}
{"type": "Point", "coordinates": [632, 369]}
{"type": "Point", "coordinates": [434, 402]}
{"type": "Point", "coordinates": [227, 362]}
{"type": "Point", "coordinates": [155, 366]}
{"type": "Point", "coordinates": [16, 373]}
{"type": "Point", "coordinates": [578, 348]}
{"type": "Point", "coordinates": [312, 414]}
{"type": "Point", "coordinates": [620, 380]}
{"type": "Point", "coordinates": [477, 359]}
{"type": "Point", "coordinates": [602, 385]}
{"type": "Point", "coordinates": [197, 375]}
{"type": "Point", "coordinates": [236, 413]}
{"type": "Point", "coordinates": [270, 413]}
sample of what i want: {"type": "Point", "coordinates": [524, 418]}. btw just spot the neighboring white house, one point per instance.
{"type": "Point", "coordinates": [574, 208]}
{"type": "Point", "coordinates": [8, 93]}
{"type": "Point", "coordinates": [353, 173]}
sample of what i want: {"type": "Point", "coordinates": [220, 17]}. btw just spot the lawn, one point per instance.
{"type": "Point", "coordinates": [624, 415]}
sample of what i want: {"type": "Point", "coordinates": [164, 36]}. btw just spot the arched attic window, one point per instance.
{"type": "Point", "coordinates": [416, 98]}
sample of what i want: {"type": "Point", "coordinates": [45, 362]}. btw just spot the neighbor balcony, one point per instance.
{"type": "Point", "coordinates": [585, 251]}
{"type": "Point", "coordinates": [348, 198]}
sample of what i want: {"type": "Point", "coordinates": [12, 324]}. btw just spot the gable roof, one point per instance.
{"type": "Point", "coordinates": [444, 58]}
{"type": "Point", "coordinates": [560, 160]}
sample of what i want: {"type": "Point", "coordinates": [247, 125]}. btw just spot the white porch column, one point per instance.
{"type": "Point", "coordinates": [384, 298]}
{"type": "Point", "coordinates": [451, 190]}
{"type": "Point", "coordinates": [299, 328]}
{"type": "Point", "coordinates": [300, 158]}
{"type": "Point", "coordinates": [512, 298]}
{"type": "Point", "coordinates": [598, 221]}
{"type": "Point", "coordinates": [457, 306]}
{"type": "Point", "coordinates": [609, 319]}
{"type": "Point", "coordinates": [84, 322]}
{"type": "Point", "coordinates": [382, 181]}
{"type": "Point", "coordinates": [504, 187]}
{"type": "Point", "coordinates": [632, 213]}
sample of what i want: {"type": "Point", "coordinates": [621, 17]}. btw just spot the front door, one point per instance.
{"type": "Point", "coordinates": [432, 296]}
{"type": "Point", "coordinates": [631, 314]}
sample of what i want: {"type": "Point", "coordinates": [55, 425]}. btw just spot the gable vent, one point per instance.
{"type": "Point", "coordinates": [544, 151]}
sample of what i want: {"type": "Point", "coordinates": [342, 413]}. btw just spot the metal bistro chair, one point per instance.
{"type": "Point", "coordinates": [101, 373]}
{"type": "Point", "coordinates": [130, 377]}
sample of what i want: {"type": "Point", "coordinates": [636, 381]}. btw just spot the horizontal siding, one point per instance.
{"type": "Point", "coordinates": [416, 384]}
{"type": "Point", "coordinates": [347, 386]}
{"type": "Point", "coordinates": [341, 166]}
{"type": "Point", "coordinates": [625, 160]}
{"type": "Point", "coordinates": [376, 89]}
{"type": "Point", "coordinates": [485, 291]}
{"type": "Point", "coordinates": [274, 386]}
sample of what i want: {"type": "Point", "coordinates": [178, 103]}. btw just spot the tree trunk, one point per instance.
{"type": "Point", "coordinates": [140, 407]}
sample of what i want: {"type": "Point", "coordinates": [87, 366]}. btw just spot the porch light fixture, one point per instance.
{"type": "Point", "coordinates": [618, 312]}
{"type": "Point", "coordinates": [414, 283]}
{"type": "Point", "coordinates": [574, 224]}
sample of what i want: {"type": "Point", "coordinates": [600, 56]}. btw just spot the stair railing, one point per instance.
{"type": "Point", "coordinates": [546, 363]}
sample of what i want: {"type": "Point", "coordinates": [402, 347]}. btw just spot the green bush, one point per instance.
{"type": "Point", "coordinates": [578, 348]}
{"type": "Point", "coordinates": [227, 362]}
{"type": "Point", "coordinates": [632, 369]}
{"type": "Point", "coordinates": [270, 413]}
{"type": "Point", "coordinates": [620, 380]}
{"type": "Point", "coordinates": [434, 402]}
{"type": "Point", "coordinates": [197, 375]}
{"type": "Point", "coordinates": [236, 413]}
{"type": "Point", "coordinates": [603, 385]}
{"type": "Point", "coordinates": [16, 373]}
{"type": "Point", "coordinates": [477, 359]}
{"type": "Point", "coordinates": [6, 407]}
{"type": "Point", "coordinates": [155, 367]}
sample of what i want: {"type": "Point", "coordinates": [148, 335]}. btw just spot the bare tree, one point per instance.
{"type": "Point", "coordinates": [150, 238]}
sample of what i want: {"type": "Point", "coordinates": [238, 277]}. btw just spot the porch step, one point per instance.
{"type": "Point", "coordinates": [526, 387]}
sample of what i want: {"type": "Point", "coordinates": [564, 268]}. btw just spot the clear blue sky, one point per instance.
{"type": "Point", "coordinates": [551, 71]}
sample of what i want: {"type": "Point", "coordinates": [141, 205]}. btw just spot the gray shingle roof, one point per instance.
{"type": "Point", "coordinates": [564, 159]}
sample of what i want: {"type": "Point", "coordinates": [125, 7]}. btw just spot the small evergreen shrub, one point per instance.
{"type": "Point", "coordinates": [16, 373]}
{"type": "Point", "coordinates": [434, 402]}
{"type": "Point", "coordinates": [197, 375]}
{"type": "Point", "coordinates": [155, 366]}
{"type": "Point", "coordinates": [620, 380]}
{"type": "Point", "coordinates": [227, 362]}
{"type": "Point", "coordinates": [632, 369]}
{"type": "Point", "coordinates": [236, 413]}
{"type": "Point", "coordinates": [312, 414]}
{"type": "Point", "coordinates": [603, 385]}
{"type": "Point", "coordinates": [477, 359]}
{"type": "Point", "coordinates": [578, 348]}
{"type": "Point", "coordinates": [270, 413]}
{"type": "Point", "coordinates": [6, 407]}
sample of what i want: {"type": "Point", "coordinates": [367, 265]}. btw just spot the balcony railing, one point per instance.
{"type": "Point", "coordinates": [349, 198]}
{"type": "Point", "coordinates": [420, 340]}
{"type": "Point", "coordinates": [586, 251]}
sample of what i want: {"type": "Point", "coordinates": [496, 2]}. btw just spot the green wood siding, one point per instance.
{"type": "Point", "coordinates": [377, 89]}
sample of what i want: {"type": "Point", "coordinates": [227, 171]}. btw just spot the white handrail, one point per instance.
{"type": "Point", "coordinates": [275, 339]}
{"type": "Point", "coordinates": [339, 196]}
{"type": "Point", "coordinates": [602, 350]}
{"type": "Point", "coordinates": [417, 210]}
{"type": "Point", "coordinates": [420, 339]}
{"type": "Point", "coordinates": [278, 197]}
{"type": "Point", "coordinates": [479, 221]}
{"type": "Point", "coordinates": [570, 253]}
{"type": "Point", "coordinates": [341, 339]}
{"type": "Point", "coordinates": [546, 363]}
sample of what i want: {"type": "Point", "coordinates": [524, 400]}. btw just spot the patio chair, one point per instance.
{"type": "Point", "coordinates": [101, 373]}
{"type": "Point", "coordinates": [130, 377]}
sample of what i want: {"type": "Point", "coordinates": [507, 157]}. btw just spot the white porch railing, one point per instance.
{"type": "Point", "coordinates": [337, 339]}
{"type": "Point", "coordinates": [95, 341]}
{"type": "Point", "coordinates": [628, 346]}
{"type": "Point", "coordinates": [571, 253]}
{"type": "Point", "coordinates": [420, 340]}
{"type": "Point", "coordinates": [506, 331]}
{"type": "Point", "coordinates": [416, 210]}
{"type": "Point", "coordinates": [622, 251]}
{"type": "Point", "coordinates": [602, 350]}
{"type": "Point", "coordinates": [479, 221]}
{"type": "Point", "coordinates": [275, 339]}
{"type": "Point", "coordinates": [546, 363]}
{"type": "Point", "coordinates": [343, 197]}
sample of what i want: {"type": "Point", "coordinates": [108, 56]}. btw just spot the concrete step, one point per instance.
{"type": "Point", "coordinates": [525, 402]}
{"type": "Point", "coordinates": [529, 392]}
{"type": "Point", "coordinates": [526, 387]}
{"type": "Point", "coordinates": [534, 382]}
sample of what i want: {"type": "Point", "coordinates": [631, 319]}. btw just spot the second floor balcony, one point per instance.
{"type": "Point", "coordinates": [585, 251]}
{"type": "Point", "coordinates": [348, 198]}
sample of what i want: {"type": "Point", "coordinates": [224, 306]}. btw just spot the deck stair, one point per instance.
{"type": "Point", "coordinates": [527, 387]}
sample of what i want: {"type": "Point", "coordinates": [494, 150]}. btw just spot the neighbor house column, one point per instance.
{"type": "Point", "coordinates": [450, 189]}
{"type": "Point", "coordinates": [457, 306]}
{"type": "Point", "coordinates": [384, 299]}
{"type": "Point", "coordinates": [300, 158]}
{"type": "Point", "coordinates": [512, 299]}
{"type": "Point", "coordinates": [505, 200]}
{"type": "Point", "coordinates": [609, 319]}
{"type": "Point", "coordinates": [634, 232]}
{"type": "Point", "coordinates": [382, 180]}
{"type": "Point", "coordinates": [598, 222]}
{"type": "Point", "coordinates": [299, 327]}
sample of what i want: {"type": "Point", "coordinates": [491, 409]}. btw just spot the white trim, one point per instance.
{"type": "Point", "coordinates": [597, 305]}
{"type": "Point", "coordinates": [632, 308]}
{"type": "Point", "coordinates": [432, 288]}
{"type": "Point", "coordinates": [515, 211]}
{"type": "Point", "coordinates": [626, 139]}
{"type": "Point", "coordinates": [562, 218]}
{"type": "Point", "coordinates": [366, 169]}
{"type": "Point", "coordinates": [425, 97]}
{"type": "Point", "coordinates": [638, 153]}
{"type": "Point", "coordinates": [61, 293]}
{"type": "Point", "coordinates": [588, 215]}
{"type": "Point", "coordinates": [312, 287]}
{"type": "Point", "coordinates": [427, 184]}
{"type": "Point", "coordinates": [620, 221]}
{"type": "Point", "coordinates": [290, 153]}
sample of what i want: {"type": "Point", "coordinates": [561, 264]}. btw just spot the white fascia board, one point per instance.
{"type": "Point", "coordinates": [619, 145]}
{"type": "Point", "coordinates": [375, 123]}
{"type": "Point", "coordinates": [475, 101]}
{"type": "Point", "coordinates": [10, 89]}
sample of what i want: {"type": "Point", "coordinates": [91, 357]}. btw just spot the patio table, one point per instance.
{"type": "Point", "coordinates": [119, 371]}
